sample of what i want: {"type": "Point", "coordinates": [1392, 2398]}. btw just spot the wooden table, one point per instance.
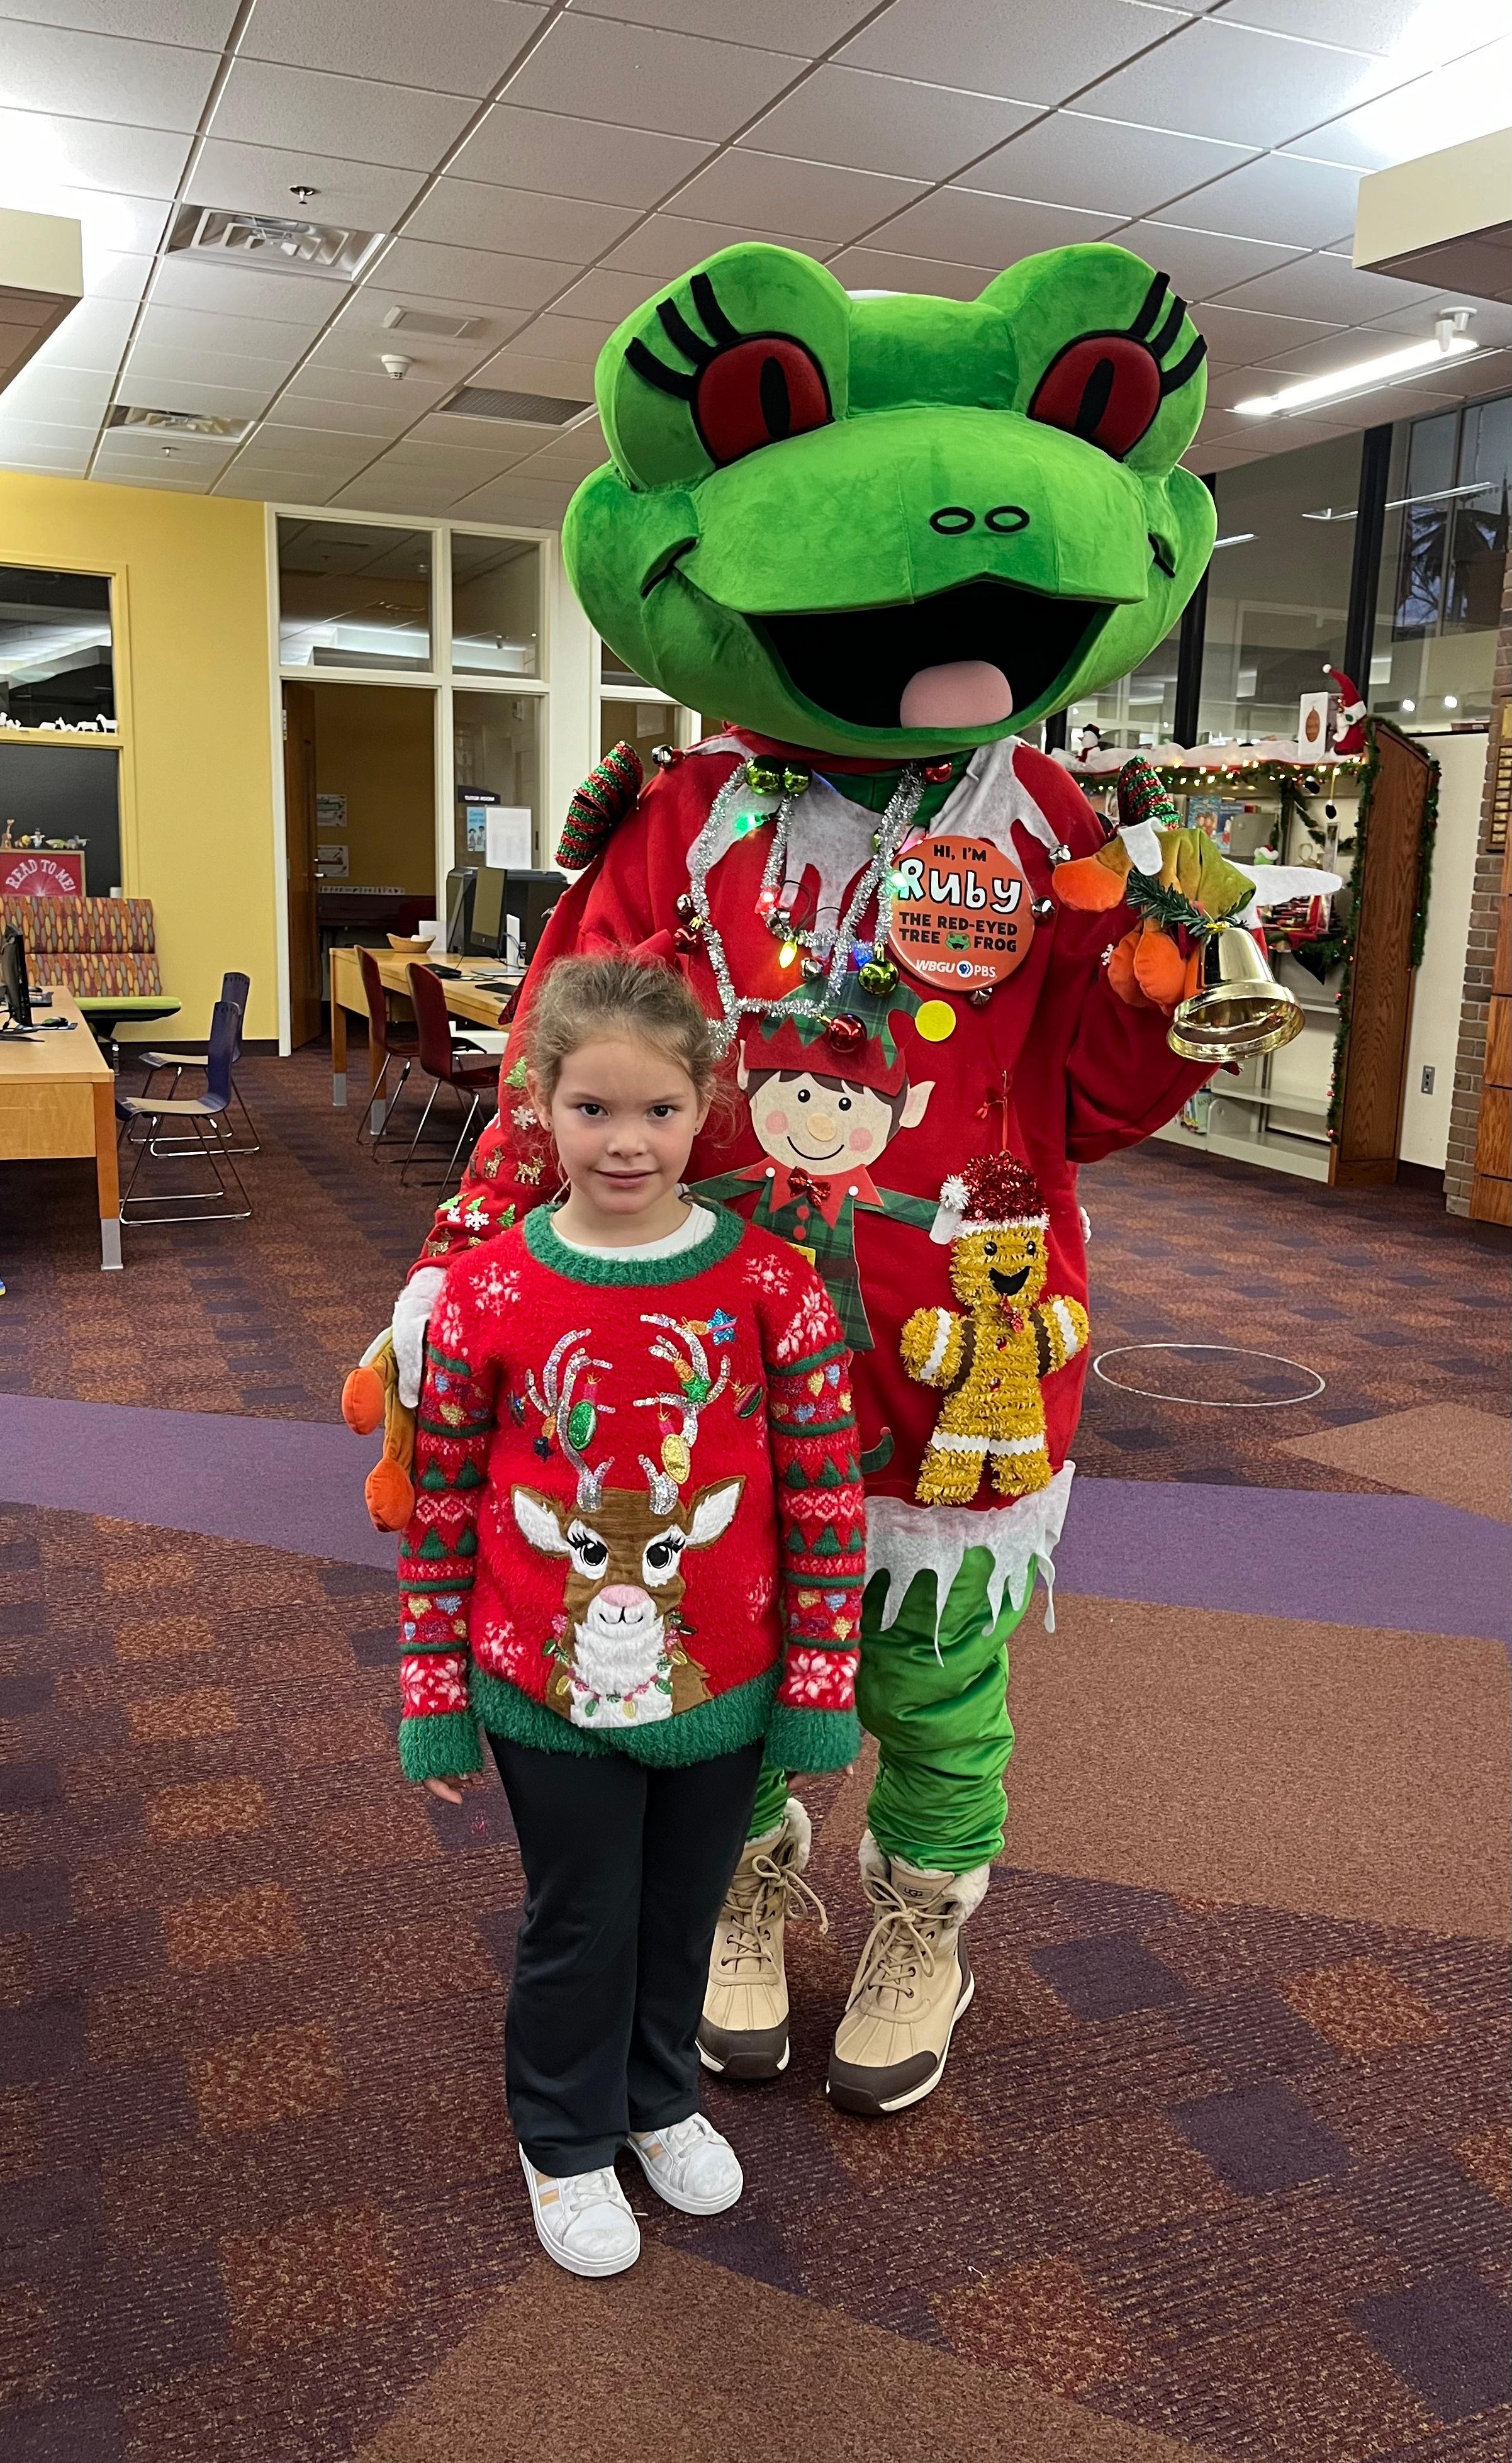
{"type": "Point", "coordinates": [463, 998]}
{"type": "Point", "coordinates": [57, 1097]}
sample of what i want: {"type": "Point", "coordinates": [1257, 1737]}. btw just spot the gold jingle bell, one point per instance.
{"type": "Point", "coordinates": [1238, 1012]}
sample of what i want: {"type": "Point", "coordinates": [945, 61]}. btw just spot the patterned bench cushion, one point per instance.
{"type": "Point", "coordinates": [87, 945]}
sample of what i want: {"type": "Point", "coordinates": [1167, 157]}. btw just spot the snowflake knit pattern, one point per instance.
{"type": "Point", "coordinates": [639, 1523]}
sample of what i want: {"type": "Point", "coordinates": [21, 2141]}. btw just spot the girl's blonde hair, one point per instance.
{"type": "Point", "coordinates": [585, 1000]}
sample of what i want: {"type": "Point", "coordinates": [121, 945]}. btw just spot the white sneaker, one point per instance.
{"type": "Point", "coordinates": [690, 2165]}
{"type": "Point", "coordinates": [583, 2221]}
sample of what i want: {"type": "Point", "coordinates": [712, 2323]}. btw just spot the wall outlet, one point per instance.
{"type": "Point", "coordinates": [1428, 1077]}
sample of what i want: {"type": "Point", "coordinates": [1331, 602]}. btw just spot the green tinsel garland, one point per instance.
{"type": "Point", "coordinates": [1370, 770]}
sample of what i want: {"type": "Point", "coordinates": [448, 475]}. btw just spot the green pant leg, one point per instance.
{"type": "Point", "coordinates": [934, 1693]}
{"type": "Point", "coordinates": [771, 1801]}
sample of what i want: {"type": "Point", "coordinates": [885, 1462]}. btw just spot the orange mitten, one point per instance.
{"type": "Point", "coordinates": [1122, 972]}
{"type": "Point", "coordinates": [1093, 882]}
{"type": "Point", "coordinates": [1158, 966]}
{"type": "Point", "coordinates": [369, 1396]}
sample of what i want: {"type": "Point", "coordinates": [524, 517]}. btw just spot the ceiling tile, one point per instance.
{"type": "Point", "coordinates": [668, 244]}
{"type": "Point", "coordinates": [1220, 80]}
{"type": "Point", "coordinates": [316, 381]}
{"type": "Point", "coordinates": [886, 124]}
{"type": "Point", "coordinates": [643, 78]}
{"type": "Point", "coordinates": [473, 213]}
{"type": "Point", "coordinates": [1032, 55]}
{"type": "Point", "coordinates": [1199, 262]}
{"type": "Point", "coordinates": [141, 449]}
{"type": "Point", "coordinates": [259, 178]}
{"type": "Point", "coordinates": [142, 85]}
{"type": "Point", "coordinates": [870, 269]}
{"type": "Point", "coordinates": [352, 117]}
{"type": "Point", "coordinates": [40, 151]}
{"type": "Point", "coordinates": [1452, 104]}
{"type": "Point", "coordinates": [117, 277]}
{"type": "Point", "coordinates": [976, 229]}
{"type": "Point", "coordinates": [52, 462]}
{"type": "Point", "coordinates": [447, 47]}
{"type": "Point", "coordinates": [561, 156]}
{"type": "Point", "coordinates": [818, 199]}
{"type": "Point", "coordinates": [808, 26]}
{"type": "Point", "coordinates": [204, 25]}
{"type": "Point", "coordinates": [606, 292]}
{"type": "Point", "coordinates": [267, 485]}
{"type": "Point", "coordinates": [1101, 165]}
{"type": "Point", "coordinates": [60, 397]}
{"type": "Point", "coordinates": [19, 435]}
{"type": "Point", "coordinates": [1402, 31]}
{"type": "Point", "coordinates": [508, 441]}
{"type": "Point", "coordinates": [163, 363]}
{"type": "Point", "coordinates": [1237, 336]}
{"type": "Point", "coordinates": [1331, 286]}
{"type": "Point", "coordinates": [506, 500]}
{"type": "Point", "coordinates": [1280, 198]}
{"type": "Point", "coordinates": [374, 493]}
{"type": "Point", "coordinates": [479, 277]}
{"type": "Point", "coordinates": [359, 338]}
{"type": "Point", "coordinates": [196, 331]}
{"type": "Point", "coordinates": [112, 225]}
{"type": "Point", "coordinates": [92, 336]}
{"type": "Point", "coordinates": [194, 393]}
{"type": "Point", "coordinates": [466, 466]}
{"type": "Point", "coordinates": [517, 371]}
{"type": "Point", "coordinates": [354, 422]}
{"type": "Point", "coordinates": [1339, 347]}
{"type": "Point", "coordinates": [219, 288]}
{"type": "Point", "coordinates": [312, 448]}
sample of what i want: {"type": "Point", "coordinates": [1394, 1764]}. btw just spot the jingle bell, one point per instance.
{"type": "Point", "coordinates": [666, 756]}
{"type": "Point", "coordinates": [1238, 1012]}
{"type": "Point", "coordinates": [795, 780]}
{"type": "Point", "coordinates": [937, 771]}
{"type": "Point", "coordinates": [762, 777]}
{"type": "Point", "coordinates": [845, 1034]}
{"type": "Point", "coordinates": [879, 976]}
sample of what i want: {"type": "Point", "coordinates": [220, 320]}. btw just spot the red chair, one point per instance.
{"type": "Point", "coordinates": [469, 1068]}
{"type": "Point", "coordinates": [394, 1041]}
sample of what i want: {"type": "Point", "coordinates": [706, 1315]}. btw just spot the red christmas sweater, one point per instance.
{"type": "Point", "coordinates": [1054, 1066]}
{"type": "Point", "coordinates": [638, 1524]}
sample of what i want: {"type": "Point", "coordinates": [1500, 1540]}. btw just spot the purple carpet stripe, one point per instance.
{"type": "Point", "coordinates": [1397, 1562]}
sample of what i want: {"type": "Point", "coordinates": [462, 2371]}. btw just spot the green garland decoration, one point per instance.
{"type": "Point", "coordinates": [1145, 893]}
{"type": "Point", "coordinates": [1370, 770]}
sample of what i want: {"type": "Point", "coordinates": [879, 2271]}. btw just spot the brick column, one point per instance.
{"type": "Point", "coordinates": [1490, 860]}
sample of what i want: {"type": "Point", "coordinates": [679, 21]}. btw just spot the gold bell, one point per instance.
{"type": "Point", "coordinates": [1238, 1011]}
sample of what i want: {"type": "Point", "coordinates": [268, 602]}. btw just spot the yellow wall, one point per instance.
{"type": "Point", "coordinates": [376, 745]}
{"type": "Point", "coordinates": [192, 698]}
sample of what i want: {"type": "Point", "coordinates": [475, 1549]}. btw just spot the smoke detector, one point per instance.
{"type": "Point", "coordinates": [393, 365]}
{"type": "Point", "coordinates": [270, 242]}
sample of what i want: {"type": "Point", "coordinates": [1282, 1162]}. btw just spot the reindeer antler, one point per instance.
{"type": "Point", "coordinates": [553, 1397]}
{"type": "Point", "coordinates": [696, 1392]}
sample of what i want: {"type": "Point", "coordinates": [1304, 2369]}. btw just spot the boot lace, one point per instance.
{"type": "Point", "coordinates": [901, 1947]}
{"type": "Point", "coordinates": [764, 1891]}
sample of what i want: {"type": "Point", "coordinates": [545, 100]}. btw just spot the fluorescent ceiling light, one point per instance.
{"type": "Point", "coordinates": [1364, 377]}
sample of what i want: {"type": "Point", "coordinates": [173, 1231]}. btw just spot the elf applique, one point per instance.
{"type": "Point", "coordinates": [991, 1359]}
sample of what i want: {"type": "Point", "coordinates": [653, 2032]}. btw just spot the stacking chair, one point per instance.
{"type": "Point", "coordinates": [233, 987]}
{"type": "Point", "coordinates": [197, 1125]}
{"type": "Point", "coordinates": [469, 1067]}
{"type": "Point", "coordinates": [394, 1041]}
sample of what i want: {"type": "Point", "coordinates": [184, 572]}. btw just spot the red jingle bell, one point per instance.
{"type": "Point", "coordinates": [845, 1035]}
{"type": "Point", "coordinates": [937, 771]}
{"type": "Point", "coordinates": [686, 941]}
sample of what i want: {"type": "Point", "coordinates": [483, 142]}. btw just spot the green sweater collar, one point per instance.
{"type": "Point", "coordinates": [581, 1266]}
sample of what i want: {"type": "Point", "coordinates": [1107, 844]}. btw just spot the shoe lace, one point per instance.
{"type": "Point", "coordinates": [901, 1945]}
{"type": "Point", "coordinates": [584, 2190]}
{"type": "Point", "coordinates": [766, 1890]}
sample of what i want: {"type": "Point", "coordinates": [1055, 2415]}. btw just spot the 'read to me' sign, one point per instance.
{"type": "Point", "coordinates": [31, 873]}
{"type": "Point", "coordinates": [962, 914]}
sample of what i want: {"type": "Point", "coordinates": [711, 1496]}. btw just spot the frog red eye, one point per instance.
{"type": "Point", "coordinates": [1104, 388]}
{"type": "Point", "coordinates": [759, 392]}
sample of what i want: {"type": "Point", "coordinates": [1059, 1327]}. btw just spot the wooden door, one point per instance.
{"type": "Point", "coordinates": [299, 834]}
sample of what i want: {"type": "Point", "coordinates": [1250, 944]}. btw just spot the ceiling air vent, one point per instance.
{"type": "Point", "coordinates": [440, 329]}
{"type": "Point", "coordinates": [271, 242]}
{"type": "Point", "coordinates": [178, 423]}
{"type": "Point", "coordinates": [519, 410]}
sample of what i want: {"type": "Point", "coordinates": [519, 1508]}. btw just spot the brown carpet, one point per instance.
{"type": "Point", "coordinates": [1443, 1450]}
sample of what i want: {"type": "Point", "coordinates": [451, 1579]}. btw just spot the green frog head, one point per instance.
{"type": "Point", "coordinates": [894, 525]}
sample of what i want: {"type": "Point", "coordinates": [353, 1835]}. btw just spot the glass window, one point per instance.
{"type": "Point", "coordinates": [55, 647]}
{"type": "Point", "coordinates": [1441, 563]}
{"type": "Point", "coordinates": [497, 751]}
{"type": "Point", "coordinates": [351, 595]}
{"type": "Point", "coordinates": [1136, 710]}
{"type": "Point", "coordinates": [644, 724]}
{"type": "Point", "coordinates": [495, 606]}
{"type": "Point", "coordinates": [1278, 588]}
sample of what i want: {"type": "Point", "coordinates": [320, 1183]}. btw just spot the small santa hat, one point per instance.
{"type": "Point", "coordinates": [995, 1192]}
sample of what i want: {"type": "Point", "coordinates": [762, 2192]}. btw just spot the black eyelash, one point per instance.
{"type": "Point", "coordinates": [1173, 377]}
{"type": "Point", "coordinates": [1158, 344]}
{"type": "Point", "coordinates": [689, 344]}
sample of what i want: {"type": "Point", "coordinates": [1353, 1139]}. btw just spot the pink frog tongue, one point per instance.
{"type": "Point", "coordinates": [968, 692]}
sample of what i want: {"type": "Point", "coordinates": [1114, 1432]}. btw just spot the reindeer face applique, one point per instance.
{"type": "Point", "coordinates": [620, 1660]}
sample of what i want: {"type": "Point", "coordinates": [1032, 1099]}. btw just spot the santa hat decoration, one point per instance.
{"type": "Point", "coordinates": [995, 1192]}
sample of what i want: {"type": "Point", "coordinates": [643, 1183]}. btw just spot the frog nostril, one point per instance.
{"type": "Point", "coordinates": [1007, 519]}
{"type": "Point", "coordinates": [952, 519]}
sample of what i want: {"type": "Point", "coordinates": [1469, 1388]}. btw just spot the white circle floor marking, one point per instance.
{"type": "Point", "coordinates": [1199, 1401]}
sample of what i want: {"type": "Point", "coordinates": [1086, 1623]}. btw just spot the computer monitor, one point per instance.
{"type": "Point", "coordinates": [13, 975]}
{"type": "Point", "coordinates": [525, 902]}
{"type": "Point", "coordinates": [462, 890]}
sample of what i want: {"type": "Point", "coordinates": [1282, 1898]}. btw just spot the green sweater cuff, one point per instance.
{"type": "Point", "coordinates": [813, 1740]}
{"type": "Point", "coordinates": [443, 1745]}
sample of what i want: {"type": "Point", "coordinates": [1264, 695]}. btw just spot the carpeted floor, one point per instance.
{"type": "Point", "coordinates": [1221, 2168]}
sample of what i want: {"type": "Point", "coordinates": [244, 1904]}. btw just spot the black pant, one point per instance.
{"type": "Point", "coordinates": [626, 1869]}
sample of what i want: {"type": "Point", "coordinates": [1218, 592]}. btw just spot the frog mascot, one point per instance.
{"type": "Point", "coordinates": [879, 538]}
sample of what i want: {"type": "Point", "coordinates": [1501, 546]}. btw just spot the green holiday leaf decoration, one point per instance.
{"type": "Point", "coordinates": [795, 1476]}
{"type": "Point", "coordinates": [467, 1543]}
{"type": "Point", "coordinates": [433, 1545]}
{"type": "Point", "coordinates": [829, 1476]}
{"type": "Point", "coordinates": [471, 1477]}
{"type": "Point", "coordinates": [433, 1477]}
{"type": "Point", "coordinates": [828, 1543]}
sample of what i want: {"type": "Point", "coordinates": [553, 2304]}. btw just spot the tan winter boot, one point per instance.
{"type": "Point", "coordinates": [742, 2033]}
{"type": "Point", "coordinates": [912, 1985]}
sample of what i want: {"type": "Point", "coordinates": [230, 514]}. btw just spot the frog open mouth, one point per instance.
{"type": "Point", "coordinates": [965, 657]}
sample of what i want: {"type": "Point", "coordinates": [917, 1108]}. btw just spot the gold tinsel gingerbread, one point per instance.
{"type": "Point", "coordinates": [991, 1359]}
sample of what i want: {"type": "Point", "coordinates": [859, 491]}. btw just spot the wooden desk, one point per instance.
{"type": "Point", "coordinates": [462, 998]}
{"type": "Point", "coordinates": [57, 1097]}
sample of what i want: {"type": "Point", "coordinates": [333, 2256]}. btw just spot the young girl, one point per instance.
{"type": "Point", "coordinates": [636, 1558]}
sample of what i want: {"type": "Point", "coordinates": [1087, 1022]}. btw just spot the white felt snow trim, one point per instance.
{"type": "Point", "coordinates": [1143, 844]}
{"type": "Point", "coordinates": [945, 1226]}
{"type": "Point", "coordinates": [991, 797]}
{"type": "Point", "coordinates": [1087, 1224]}
{"type": "Point", "coordinates": [904, 1539]}
{"type": "Point", "coordinates": [954, 1445]}
{"type": "Point", "coordinates": [1007, 1223]}
{"type": "Point", "coordinates": [1276, 884]}
{"type": "Point", "coordinates": [410, 1317]}
{"type": "Point", "coordinates": [937, 1348]}
{"type": "Point", "coordinates": [954, 1194]}
{"type": "Point", "coordinates": [1069, 1334]}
